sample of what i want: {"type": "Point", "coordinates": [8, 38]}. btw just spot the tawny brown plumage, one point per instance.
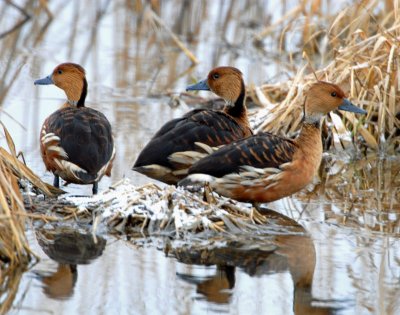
{"type": "Point", "coordinates": [76, 142]}
{"type": "Point", "coordinates": [175, 147]}
{"type": "Point", "coordinates": [266, 167]}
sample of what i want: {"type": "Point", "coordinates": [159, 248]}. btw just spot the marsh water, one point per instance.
{"type": "Point", "coordinates": [342, 258]}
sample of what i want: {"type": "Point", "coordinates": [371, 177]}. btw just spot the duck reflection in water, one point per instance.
{"type": "Point", "coordinates": [216, 288]}
{"type": "Point", "coordinates": [293, 252]}
{"type": "Point", "coordinates": [69, 248]}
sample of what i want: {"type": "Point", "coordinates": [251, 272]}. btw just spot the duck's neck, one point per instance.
{"type": "Point", "coordinates": [309, 132]}
{"type": "Point", "coordinates": [76, 94]}
{"type": "Point", "coordinates": [310, 142]}
{"type": "Point", "coordinates": [238, 109]}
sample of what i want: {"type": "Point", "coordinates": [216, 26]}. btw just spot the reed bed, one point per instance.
{"type": "Point", "coordinates": [13, 244]}
{"type": "Point", "coordinates": [357, 49]}
{"type": "Point", "coordinates": [14, 249]}
{"type": "Point", "coordinates": [353, 45]}
{"type": "Point", "coordinates": [15, 254]}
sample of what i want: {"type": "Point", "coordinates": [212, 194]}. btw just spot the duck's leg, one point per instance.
{"type": "Point", "coordinates": [208, 196]}
{"type": "Point", "coordinates": [95, 188]}
{"type": "Point", "coordinates": [56, 182]}
{"type": "Point", "coordinates": [257, 206]}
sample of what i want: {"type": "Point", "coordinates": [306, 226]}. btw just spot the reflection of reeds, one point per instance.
{"type": "Point", "coordinates": [9, 283]}
{"type": "Point", "coordinates": [366, 192]}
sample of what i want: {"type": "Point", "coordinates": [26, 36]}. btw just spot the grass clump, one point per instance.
{"type": "Point", "coordinates": [362, 44]}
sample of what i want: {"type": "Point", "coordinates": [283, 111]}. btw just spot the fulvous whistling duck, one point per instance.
{"type": "Point", "coordinates": [267, 167]}
{"type": "Point", "coordinates": [161, 159]}
{"type": "Point", "coordinates": [76, 142]}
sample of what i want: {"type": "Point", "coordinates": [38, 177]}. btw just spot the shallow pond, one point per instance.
{"type": "Point", "coordinates": [344, 259]}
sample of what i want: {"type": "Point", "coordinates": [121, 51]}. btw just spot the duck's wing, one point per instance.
{"type": "Point", "coordinates": [214, 128]}
{"type": "Point", "coordinates": [170, 125]}
{"type": "Point", "coordinates": [261, 151]}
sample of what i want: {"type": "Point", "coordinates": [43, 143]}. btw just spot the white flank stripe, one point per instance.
{"type": "Point", "coordinates": [71, 167]}
{"type": "Point", "coordinates": [101, 172]}
{"type": "Point", "coordinates": [49, 138]}
{"type": "Point", "coordinates": [61, 152]}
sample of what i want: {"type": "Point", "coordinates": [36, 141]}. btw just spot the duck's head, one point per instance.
{"type": "Point", "coordinates": [71, 78]}
{"type": "Point", "coordinates": [226, 82]}
{"type": "Point", "coordinates": [323, 97]}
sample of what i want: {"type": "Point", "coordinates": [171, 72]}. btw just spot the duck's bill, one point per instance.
{"type": "Point", "coordinates": [201, 85]}
{"type": "Point", "coordinates": [45, 81]}
{"type": "Point", "coordinates": [350, 107]}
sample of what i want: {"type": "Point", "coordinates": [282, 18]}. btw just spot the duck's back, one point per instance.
{"type": "Point", "coordinates": [213, 128]}
{"type": "Point", "coordinates": [85, 136]}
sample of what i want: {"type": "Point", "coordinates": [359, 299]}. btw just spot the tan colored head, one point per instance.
{"type": "Point", "coordinates": [323, 97]}
{"type": "Point", "coordinates": [226, 82]}
{"type": "Point", "coordinates": [71, 78]}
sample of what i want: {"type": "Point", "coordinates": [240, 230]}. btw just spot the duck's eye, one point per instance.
{"type": "Point", "coordinates": [215, 76]}
{"type": "Point", "coordinates": [59, 71]}
{"type": "Point", "coordinates": [333, 94]}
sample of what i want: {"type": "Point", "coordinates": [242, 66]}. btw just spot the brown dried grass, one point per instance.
{"type": "Point", "coordinates": [362, 42]}
{"type": "Point", "coordinates": [14, 249]}
{"type": "Point", "coordinates": [13, 244]}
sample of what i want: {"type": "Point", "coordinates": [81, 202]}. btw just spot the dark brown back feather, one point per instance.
{"type": "Point", "coordinates": [261, 151]}
{"type": "Point", "coordinates": [213, 128]}
{"type": "Point", "coordinates": [85, 136]}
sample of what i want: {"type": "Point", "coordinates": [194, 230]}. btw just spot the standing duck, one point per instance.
{"type": "Point", "coordinates": [161, 158]}
{"type": "Point", "coordinates": [76, 142]}
{"type": "Point", "coordinates": [267, 167]}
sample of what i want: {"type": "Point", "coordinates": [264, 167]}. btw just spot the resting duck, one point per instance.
{"type": "Point", "coordinates": [161, 158]}
{"type": "Point", "coordinates": [76, 142]}
{"type": "Point", "coordinates": [267, 167]}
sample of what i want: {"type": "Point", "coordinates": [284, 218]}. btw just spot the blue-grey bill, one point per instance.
{"type": "Point", "coordinates": [45, 81]}
{"type": "Point", "coordinates": [201, 85]}
{"type": "Point", "coordinates": [350, 107]}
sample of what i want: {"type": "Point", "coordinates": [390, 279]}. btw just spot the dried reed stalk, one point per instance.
{"type": "Point", "coordinates": [14, 247]}
{"type": "Point", "coordinates": [151, 15]}
{"type": "Point", "coordinates": [152, 210]}
{"type": "Point", "coordinates": [364, 49]}
{"type": "Point", "coordinates": [21, 171]}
